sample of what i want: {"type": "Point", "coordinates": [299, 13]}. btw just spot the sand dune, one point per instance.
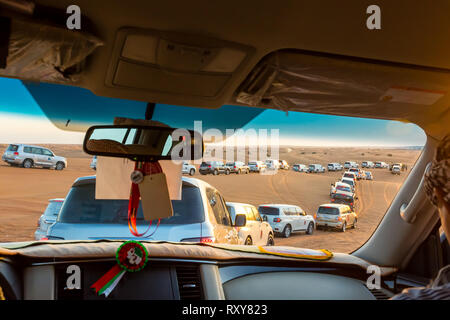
{"type": "Point", "coordinates": [24, 192]}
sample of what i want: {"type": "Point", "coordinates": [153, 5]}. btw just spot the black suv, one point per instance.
{"type": "Point", "coordinates": [214, 167]}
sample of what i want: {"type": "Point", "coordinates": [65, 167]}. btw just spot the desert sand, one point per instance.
{"type": "Point", "coordinates": [24, 193]}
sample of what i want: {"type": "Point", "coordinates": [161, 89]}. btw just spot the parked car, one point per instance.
{"type": "Point", "coordinates": [213, 167]}
{"type": "Point", "coordinates": [396, 169]}
{"type": "Point", "coordinates": [338, 216]}
{"type": "Point", "coordinates": [82, 217]}
{"type": "Point", "coordinates": [29, 156]}
{"type": "Point", "coordinates": [257, 166]}
{"type": "Point", "coordinates": [350, 164]}
{"type": "Point", "coordinates": [381, 164]}
{"type": "Point", "coordinates": [283, 164]}
{"type": "Point", "coordinates": [316, 168]}
{"type": "Point", "coordinates": [334, 166]}
{"type": "Point", "coordinates": [300, 168]}
{"type": "Point", "coordinates": [286, 219]}
{"type": "Point", "coordinates": [187, 168]}
{"type": "Point", "coordinates": [238, 167]}
{"type": "Point", "coordinates": [94, 163]}
{"type": "Point", "coordinates": [369, 175]}
{"type": "Point", "coordinates": [256, 231]}
{"type": "Point", "coordinates": [48, 218]}
{"type": "Point", "coordinates": [272, 164]}
{"type": "Point", "coordinates": [367, 164]}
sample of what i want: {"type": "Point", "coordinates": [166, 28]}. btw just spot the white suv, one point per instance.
{"type": "Point", "coordinates": [334, 166]}
{"type": "Point", "coordinates": [29, 156]}
{"type": "Point", "coordinates": [257, 166]}
{"type": "Point", "coordinates": [188, 168]}
{"type": "Point", "coordinates": [256, 231]}
{"type": "Point", "coordinates": [286, 219]}
{"type": "Point", "coordinates": [350, 164]}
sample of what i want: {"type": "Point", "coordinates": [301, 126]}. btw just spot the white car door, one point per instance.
{"type": "Point", "coordinates": [302, 221]}
{"type": "Point", "coordinates": [295, 221]}
{"type": "Point", "coordinates": [253, 225]}
{"type": "Point", "coordinates": [263, 228]}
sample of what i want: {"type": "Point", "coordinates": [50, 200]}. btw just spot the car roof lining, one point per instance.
{"type": "Point", "coordinates": [403, 45]}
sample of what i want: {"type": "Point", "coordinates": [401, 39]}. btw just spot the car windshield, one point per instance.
{"type": "Point", "coordinates": [13, 147]}
{"type": "Point", "coordinates": [270, 211]}
{"type": "Point", "coordinates": [348, 181]}
{"type": "Point", "coordinates": [53, 208]}
{"type": "Point", "coordinates": [343, 188]}
{"type": "Point", "coordinates": [267, 136]}
{"type": "Point", "coordinates": [328, 210]}
{"type": "Point", "coordinates": [81, 207]}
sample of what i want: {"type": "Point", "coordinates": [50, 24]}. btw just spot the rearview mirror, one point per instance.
{"type": "Point", "coordinates": [143, 143]}
{"type": "Point", "coordinates": [240, 220]}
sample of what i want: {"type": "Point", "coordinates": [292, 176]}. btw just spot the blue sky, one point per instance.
{"type": "Point", "coordinates": [22, 120]}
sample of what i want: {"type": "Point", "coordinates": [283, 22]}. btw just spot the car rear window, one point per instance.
{"type": "Point", "coordinates": [348, 175]}
{"type": "Point", "coordinates": [347, 181]}
{"type": "Point", "coordinates": [53, 208]}
{"type": "Point", "coordinates": [328, 210]}
{"type": "Point", "coordinates": [81, 206]}
{"type": "Point", "coordinates": [343, 188]}
{"type": "Point", "coordinates": [270, 211]}
{"type": "Point", "coordinates": [13, 147]}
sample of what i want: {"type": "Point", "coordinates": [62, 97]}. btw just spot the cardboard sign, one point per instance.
{"type": "Point", "coordinates": [114, 182]}
{"type": "Point", "coordinates": [113, 178]}
{"type": "Point", "coordinates": [155, 197]}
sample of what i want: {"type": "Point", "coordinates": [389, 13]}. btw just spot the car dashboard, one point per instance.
{"type": "Point", "coordinates": [203, 273]}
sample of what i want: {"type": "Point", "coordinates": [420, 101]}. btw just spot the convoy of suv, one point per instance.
{"type": "Point", "coordinates": [28, 156]}
{"type": "Point", "coordinates": [84, 217]}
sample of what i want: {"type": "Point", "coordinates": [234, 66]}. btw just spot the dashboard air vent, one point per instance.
{"type": "Point", "coordinates": [189, 282]}
{"type": "Point", "coordinates": [380, 294]}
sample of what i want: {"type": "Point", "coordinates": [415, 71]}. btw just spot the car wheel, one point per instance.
{"type": "Point", "coordinates": [287, 231]}
{"type": "Point", "coordinates": [270, 240]}
{"type": "Point", "coordinates": [28, 163]}
{"type": "Point", "coordinates": [191, 172]}
{"type": "Point", "coordinates": [227, 172]}
{"type": "Point", "coordinates": [59, 166]}
{"type": "Point", "coordinates": [354, 223]}
{"type": "Point", "coordinates": [216, 172]}
{"type": "Point", "coordinates": [344, 227]}
{"type": "Point", "coordinates": [248, 241]}
{"type": "Point", "coordinates": [248, 171]}
{"type": "Point", "coordinates": [310, 229]}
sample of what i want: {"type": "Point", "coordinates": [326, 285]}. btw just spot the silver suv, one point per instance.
{"type": "Point", "coordinates": [29, 156]}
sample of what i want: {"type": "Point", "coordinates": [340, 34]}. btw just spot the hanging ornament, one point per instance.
{"type": "Point", "coordinates": [132, 256]}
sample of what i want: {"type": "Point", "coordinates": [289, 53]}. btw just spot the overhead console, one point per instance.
{"type": "Point", "coordinates": [174, 63]}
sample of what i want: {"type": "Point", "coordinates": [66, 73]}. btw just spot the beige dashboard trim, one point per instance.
{"type": "Point", "coordinates": [107, 249]}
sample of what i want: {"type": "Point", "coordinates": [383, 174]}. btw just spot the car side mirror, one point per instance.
{"type": "Point", "coordinates": [265, 218]}
{"type": "Point", "coordinates": [240, 220]}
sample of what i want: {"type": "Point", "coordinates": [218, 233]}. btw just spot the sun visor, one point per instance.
{"type": "Point", "coordinates": [309, 82]}
{"type": "Point", "coordinates": [40, 52]}
{"type": "Point", "coordinates": [65, 107]}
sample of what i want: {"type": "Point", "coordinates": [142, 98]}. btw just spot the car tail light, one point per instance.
{"type": "Point", "coordinates": [339, 218]}
{"type": "Point", "coordinates": [351, 203]}
{"type": "Point", "coordinates": [276, 220]}
{"type": "Point", "coordinates": [332, 200]}
{"type": "Point", "coordinates": [43, 239]}
{"type": "Point", "coordinates": [199, 239]}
